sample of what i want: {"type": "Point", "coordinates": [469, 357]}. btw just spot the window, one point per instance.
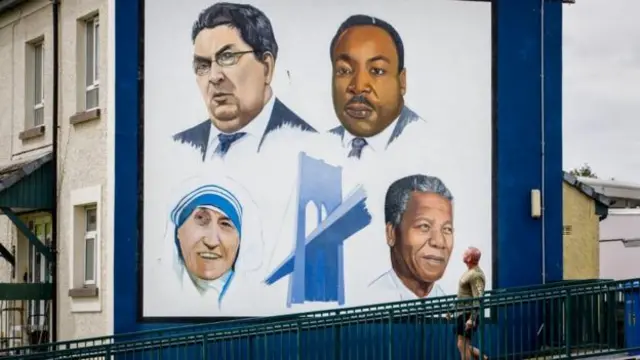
{"type": "Point", "coordinates": [37, 51]}
{"type": "Point", "coordinates": [92, 62]}
{"type": "Point", "coordinates": [84, 249]}
{"type": "Point", "coordinates": [90, 238]}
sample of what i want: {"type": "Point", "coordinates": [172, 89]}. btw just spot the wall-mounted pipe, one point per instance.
{"type": "Point", "coordinates": [55, 5]}
{"type": "Point", "coordinates": [542, 146]}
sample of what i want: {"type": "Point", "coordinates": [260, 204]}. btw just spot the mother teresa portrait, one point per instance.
{"type": "Point", "coordinates": [216, 240]}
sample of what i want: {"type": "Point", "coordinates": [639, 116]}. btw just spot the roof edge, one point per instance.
{"type": "Point", "coordinates": [586, 189]}
{"type": "Point", "coordinates": [28, 168]}
{"type": "Point", "coordinates": [6, 5]}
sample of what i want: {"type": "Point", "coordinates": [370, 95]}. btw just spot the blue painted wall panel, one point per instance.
{"type": "Point", "coordinates": [553, 138]}
{"type": "Point", "coordinates": [518, 142]}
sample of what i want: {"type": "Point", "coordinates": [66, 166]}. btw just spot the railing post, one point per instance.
{"type": "Point", "coordinates": [203, 353]}
{"type": "Point", "coordinates": [337, 343]}
{"type": "Point", "coordinates": [390, 334]}
{"type": "Point", "coordinates": [480, 325]}
{"type": "Point", "coordinates": [298, 341]}
{"type": "Point", "coordinates": [567, 324]}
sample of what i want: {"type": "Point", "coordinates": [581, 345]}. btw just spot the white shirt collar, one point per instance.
{"type": "Point", "coordinates": [406, 294]}
{"type": "Point", "coordinates": [377, 142]}
{"type": "Point", "coordinates": [254, 129]}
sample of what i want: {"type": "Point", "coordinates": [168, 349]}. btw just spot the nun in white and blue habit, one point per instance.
{"type": "Point", "coordinates": [217, 263]}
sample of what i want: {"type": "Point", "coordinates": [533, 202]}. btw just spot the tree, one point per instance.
{"type": "Point", "coordinates": [584, 171]}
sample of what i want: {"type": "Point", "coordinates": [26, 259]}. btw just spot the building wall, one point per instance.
{"type": "Point", "coordinates": [82, 169]}
{"type": "Point", "coordinates": [618, 258]}
{"type": "Point", "coordinates": [82, 141]}
{"type": "Point", "coordinates": [580, 236]}
{"type": "Point", "coordinates": [18, 27]}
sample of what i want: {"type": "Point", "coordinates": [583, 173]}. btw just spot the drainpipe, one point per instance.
{"type": "Point", "coordinates": [542, 145]}
{"type": "Point", "coordinates": [54, 213]}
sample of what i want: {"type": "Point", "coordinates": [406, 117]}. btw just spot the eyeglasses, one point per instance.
{"type": "Point", "coordinates": [202, 66]}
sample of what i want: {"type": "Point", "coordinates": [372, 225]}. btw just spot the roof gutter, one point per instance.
{"type": "Point", "coordinates": [6, 5]}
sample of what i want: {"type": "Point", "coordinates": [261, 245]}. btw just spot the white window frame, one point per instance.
{"type": "Point", "coordinates": [38, 93]}
{"type": "Point", "coordinates": [92, 83]}
{"type": "Point", "coordinates": [90, 235]}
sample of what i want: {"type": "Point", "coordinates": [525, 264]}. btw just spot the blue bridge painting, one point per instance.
{"type": "Point", "coordinates": [316, 264]}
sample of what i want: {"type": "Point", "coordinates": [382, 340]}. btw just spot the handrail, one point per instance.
{"type": "Point", "coordinates": [424, 307]}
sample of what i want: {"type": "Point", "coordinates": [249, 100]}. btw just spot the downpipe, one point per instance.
{"type": "Point", "coordinates": [542, 146]}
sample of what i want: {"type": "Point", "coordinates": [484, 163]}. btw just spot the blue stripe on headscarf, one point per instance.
{"type": "Point", "coordinates": [211, 195]}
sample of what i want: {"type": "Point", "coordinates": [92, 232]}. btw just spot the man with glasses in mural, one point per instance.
{"type": "Point", "coordinates": [235, 51]}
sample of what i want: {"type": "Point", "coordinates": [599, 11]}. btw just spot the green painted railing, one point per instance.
{"type": "Point", "coordinates": [560, 321]}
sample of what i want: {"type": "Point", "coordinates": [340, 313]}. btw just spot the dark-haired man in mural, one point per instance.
{"type": "Point", "coordinates": [369, 84]}
{"type": "Point", "coordinates": [235, 51]}
{"type": "Point", "coordinates": [418, 213]}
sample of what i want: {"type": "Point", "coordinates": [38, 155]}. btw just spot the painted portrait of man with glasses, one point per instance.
{"type": "Point", "coordinates": [234, 55]}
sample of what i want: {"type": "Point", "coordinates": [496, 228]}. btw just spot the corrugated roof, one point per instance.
{"type": "Point", "coordinates": [586, 189]}
{"type": "Point", "coordinates": [14, 171]}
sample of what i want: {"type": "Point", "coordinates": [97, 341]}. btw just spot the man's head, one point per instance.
{"type": "Point", "coordinates": [471, 256]}
{"type": "Point", "coordinates": [369, 79]}
{"type": "Point", "coordinates": [234, 57]}
{"type": "Point", "coordinates": [419, 226]}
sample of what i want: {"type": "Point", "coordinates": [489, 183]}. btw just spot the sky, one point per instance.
{"type": "Point", "coordinates": [601, 104]}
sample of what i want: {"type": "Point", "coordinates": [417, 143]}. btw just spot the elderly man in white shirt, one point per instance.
{"type": "Point", "coordinates": [419, 232]}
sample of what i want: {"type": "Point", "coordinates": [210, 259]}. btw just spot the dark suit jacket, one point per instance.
{"type": "Point", "coordinates": [281, 115]}
{"type": "Point", "coordinates": [407, 116]}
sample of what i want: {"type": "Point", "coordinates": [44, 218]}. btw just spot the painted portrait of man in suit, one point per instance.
{"type": "Point", "coordinates": [369, 84]}
{"type": "Point", "coordinates": [419, 230]}
{"type": "Point", "coordinates": [234, 56]}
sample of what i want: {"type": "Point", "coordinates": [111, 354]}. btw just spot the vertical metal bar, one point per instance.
{"type": "Point", "coordinates": [203, 353]}
{"type": "Point", "coordinates": [390, 335]}
{"type": "Point", "coordinates": [298, 341]}
{"type": "Point", "coordinates": [568, 320]}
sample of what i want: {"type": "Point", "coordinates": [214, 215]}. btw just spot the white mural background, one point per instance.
{"type": "Point", "coordinates": [448, 61]}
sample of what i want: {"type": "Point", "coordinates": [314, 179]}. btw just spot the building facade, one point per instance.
{"type": "Point", "coordinates": [32, 122]}
{"type": "Point", "coordinates": [583, 210]}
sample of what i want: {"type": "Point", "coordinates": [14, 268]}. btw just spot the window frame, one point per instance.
{"type": "Point", "coordinates": [38, 91]}
{"type": "Point", "coordinates": [90, 235]}
{"type": "Point", "coordinates": [93, 83]}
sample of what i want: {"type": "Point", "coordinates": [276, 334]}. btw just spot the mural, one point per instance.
{"type": "Point", "coordinates": [312, 179]}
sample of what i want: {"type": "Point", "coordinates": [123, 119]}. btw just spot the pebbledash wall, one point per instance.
{"type": "Point", "coordinates": [524, 120]}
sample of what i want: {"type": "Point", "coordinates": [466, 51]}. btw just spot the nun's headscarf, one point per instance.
{"type": "Point", "coordinates": [230, 198]}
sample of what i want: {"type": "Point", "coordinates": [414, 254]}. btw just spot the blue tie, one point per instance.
{"type": "Point", "coordinates": [226, 140]}
{"type": "Point", "coordinates": [356, 147]}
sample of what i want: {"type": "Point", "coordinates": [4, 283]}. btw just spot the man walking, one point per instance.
{"type": "Point", "coordinates": [471, 285]}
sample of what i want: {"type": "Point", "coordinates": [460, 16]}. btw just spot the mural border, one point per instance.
{"type": "Point", "coordinates": [517, 166]}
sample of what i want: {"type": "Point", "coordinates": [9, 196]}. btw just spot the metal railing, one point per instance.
{"type": "Point", "coordinates": [557, 321]}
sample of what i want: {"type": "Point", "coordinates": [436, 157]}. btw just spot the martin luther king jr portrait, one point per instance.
{"type": "Point", "coordinates": [369, 83]}
{"type": "Point", "coordinates": [234, 56]}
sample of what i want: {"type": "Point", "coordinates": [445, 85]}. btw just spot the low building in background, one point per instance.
{"type": "Point", "coordinates": [583, 210]}
{"type": "Point", "coordinates": [620, 244]}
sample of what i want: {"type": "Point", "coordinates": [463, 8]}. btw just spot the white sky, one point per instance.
{"type": "Point", "coordinates": [602, 87]}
